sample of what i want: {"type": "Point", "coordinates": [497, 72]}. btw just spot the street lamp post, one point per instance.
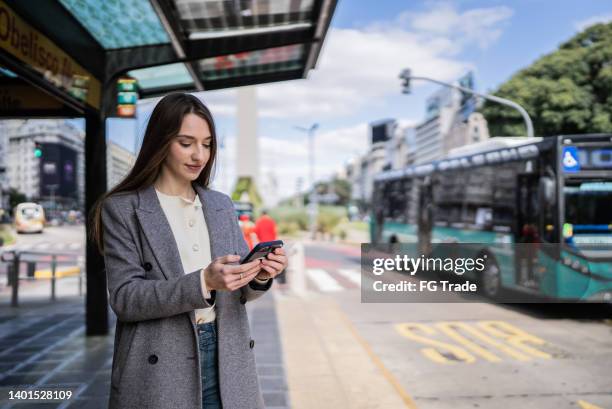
{"type": "Point", "coordinates": [407, 76]}
{"type": "Point", "coordinates": [313, 202]}
{"type": "Point", "coordinates": [52, 189]}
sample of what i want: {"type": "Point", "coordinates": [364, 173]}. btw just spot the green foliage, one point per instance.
{"type": "Point", "coordinates": [288, 228]}
{"type": "Point", "coordinates": [566, 92]}
{"type": "Point", "coordinates": [245, 184]}
{"type": "Point", "coordinates": [342, 188]}
{"type": "Point", "coordinates": [290, 217]}
{"type": "Point", "coordinates": [330, 217]}
{"type": "Point", "coordinates": [16, 197]}
{"type": "Point", "coordinates": [6, 236]}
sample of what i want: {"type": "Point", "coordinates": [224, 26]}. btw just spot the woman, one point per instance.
{"type": "Point", "coordinates": [171, 247]}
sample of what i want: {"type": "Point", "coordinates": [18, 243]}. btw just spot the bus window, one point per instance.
{"type": "Point", "coordinates": [587, 207]}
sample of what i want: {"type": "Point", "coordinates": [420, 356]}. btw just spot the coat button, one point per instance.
{"type": "Point", "coordinates": [147, 266]}
{"type": "Point", "coordinates": [252, 344]}
{"type": "Point", "coordinates": [243, 299]}
{"type": "Point", "coordinates": [153, 359]}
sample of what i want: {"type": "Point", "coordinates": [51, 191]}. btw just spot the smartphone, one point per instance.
{"type": "Point", "coordinates": [261, 250]}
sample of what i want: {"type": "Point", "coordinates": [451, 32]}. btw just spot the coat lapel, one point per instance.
{"type": "Point", "coordinates": [159, 235]}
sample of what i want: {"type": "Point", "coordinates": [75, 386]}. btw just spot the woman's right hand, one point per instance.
{"type": "Point", "coordinates": [222, 275]}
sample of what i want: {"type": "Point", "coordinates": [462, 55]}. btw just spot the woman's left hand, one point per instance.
{"type": "Point", "coordinates": [273, 264]}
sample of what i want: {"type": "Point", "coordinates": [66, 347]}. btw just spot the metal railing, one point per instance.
{"type": "Point", "coordinates": [14, 258]}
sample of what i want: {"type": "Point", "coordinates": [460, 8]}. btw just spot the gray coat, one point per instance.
{"type": "Point", "coordinates": [156, 361]}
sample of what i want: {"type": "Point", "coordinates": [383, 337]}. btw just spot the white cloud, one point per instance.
{"type": "Point", "coordinates": [583, 24]}
{"type": "Point", "coordinates": [481, 26]}
{"type": "Point", "coordinates": [358, 67]}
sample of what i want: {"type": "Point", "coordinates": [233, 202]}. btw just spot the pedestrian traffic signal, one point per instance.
{"type": "Point", "coordinates": [37, 150]}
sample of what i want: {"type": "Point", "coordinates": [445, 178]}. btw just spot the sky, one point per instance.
{"type": "Point", "coordinates": [356, 78]}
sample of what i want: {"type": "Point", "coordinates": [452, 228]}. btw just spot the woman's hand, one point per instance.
{"type": "Point", "coordinates": [273, 264]}
{"type": "Point", "coordinates": [222, 275]}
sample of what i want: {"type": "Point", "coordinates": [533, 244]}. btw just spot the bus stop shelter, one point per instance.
{"type": "Point", "coordinates": [62, 58]}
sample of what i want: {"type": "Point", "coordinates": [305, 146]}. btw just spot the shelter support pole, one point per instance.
{"type": "Point", "coordinates": [96, 298]}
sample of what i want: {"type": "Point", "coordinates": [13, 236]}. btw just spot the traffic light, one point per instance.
{"type": "Point", "coordinates": [405, 76]}
{"type": "Point", "coordinates": [37, 150]}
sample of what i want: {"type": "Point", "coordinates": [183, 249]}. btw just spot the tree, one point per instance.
{"type": "Point", "coordinates": [15, 197]}
{"type": "Point", "coordinates": [566, 92]}
{"type": "Point", "coordinates": [343, 189]}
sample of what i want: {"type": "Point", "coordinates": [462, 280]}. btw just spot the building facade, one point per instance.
{"type": "Point", "coordinates": [119, 162]}
{"type": "Point", "coordinates": [430, 135]}
{"type": "Point", "coordinates": [463, 133]}
{"type": "Point", "coordinates": [56, 179]}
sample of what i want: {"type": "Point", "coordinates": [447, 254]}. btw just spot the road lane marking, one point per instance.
{"type": "Point", "coordinates": [59, 273]}
{"type": "Point", "coordinates": [352, 275]}
{"type": "Point", "coordinates": [441, 352]}
{"type": "Point", "coordinates": [586, 405]}
{"type": "Point", "coordinates": [451, 329]}
{"type": "Point", "coordinates": [491, 336]}
{"type": "Point", "coordinates": [323, 280]}
{"type": "Point", "coordinates": [515, 337]}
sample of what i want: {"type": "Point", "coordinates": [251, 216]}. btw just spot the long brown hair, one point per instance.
{"type": "Point", "coordinates": [164, 125]}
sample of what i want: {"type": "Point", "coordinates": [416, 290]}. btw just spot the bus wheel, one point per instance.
{"type": "Point", "coordinates": [490, 279]}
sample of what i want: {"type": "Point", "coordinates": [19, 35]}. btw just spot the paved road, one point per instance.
{"type": "Point", "coordinates": [68, 240]}
{"type": "Point", "coordinates": [60, 239]}
{"type": "Point", "coordinates": [474, 355]}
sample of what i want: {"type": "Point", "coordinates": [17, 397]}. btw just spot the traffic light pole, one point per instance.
{"type": "Point", "coordinates": [528, 123]}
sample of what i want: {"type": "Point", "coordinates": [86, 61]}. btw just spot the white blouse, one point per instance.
{"type": "Point", "coordinates": [188, 226]}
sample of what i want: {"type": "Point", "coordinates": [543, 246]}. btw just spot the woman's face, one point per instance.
{"type": "Point", "coordinates": [190, 149]}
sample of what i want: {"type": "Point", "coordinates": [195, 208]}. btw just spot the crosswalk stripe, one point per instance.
{"type": "Point", "coordinates": [74, 246]}
{"type": "Point", "coordinates": [42, 246]}
{"type": "Point", "coordinates": [323, 280]}
{"type": "Point", "coordinates": [352, 275]}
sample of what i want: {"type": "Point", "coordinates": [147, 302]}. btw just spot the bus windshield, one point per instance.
{"type": "Point", "coordinates": [587, 206]}
{"type": "Point", "coordinates": [31, 212]}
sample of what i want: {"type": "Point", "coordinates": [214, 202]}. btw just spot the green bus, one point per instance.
{"type": "Point", "coordinates": [549, 197]}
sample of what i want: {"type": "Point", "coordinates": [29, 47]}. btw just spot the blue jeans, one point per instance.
{"type": "Point", "coordinates": [207, 335]}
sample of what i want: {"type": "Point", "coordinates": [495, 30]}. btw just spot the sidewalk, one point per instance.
{"type": "Point", "coordinates": [328, 364]}
{"type": "Point", "coordinates": [43, 343]}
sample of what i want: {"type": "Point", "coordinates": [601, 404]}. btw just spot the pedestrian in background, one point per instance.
{"type": "Point", "coordinates": [248, 229]}
{"type": "Point", "coordinates": [265, 227]}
